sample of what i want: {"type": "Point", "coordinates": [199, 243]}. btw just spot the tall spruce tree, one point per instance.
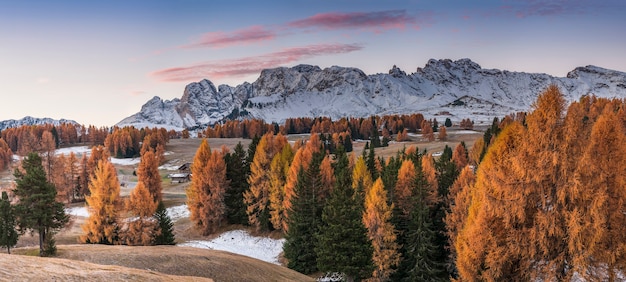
{"type": "Point", "coordinates": [422, 250]}
{"type": "Point", "coordinates": [341, 243]}
{"type": "Point", "coordinates": [37, 209]}
{"type": "Point", "coordinates": [165, 226]}
{"type": "Point", "coordinates": [8, 233]}
{"type": "Point", "coordinates": [237, 172]}
{"type": "Point", "coordinates": [304, 220]}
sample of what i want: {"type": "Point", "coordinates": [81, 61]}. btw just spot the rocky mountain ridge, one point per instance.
{"type": "Point", "coordinates": [28, 120]}
{"type": "Point", "coordinates": [456, 89]}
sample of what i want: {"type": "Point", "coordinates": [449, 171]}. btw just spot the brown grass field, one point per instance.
{"type": "Point", "coordinates": [167, 263]}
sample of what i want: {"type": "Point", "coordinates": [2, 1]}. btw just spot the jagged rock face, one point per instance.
{"type": "Point", "coordinates": [28, 120]}
{"type": "Point", "coordinates": [461, 88]}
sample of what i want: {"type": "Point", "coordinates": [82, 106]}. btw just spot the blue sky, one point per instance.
{"type": "Point", "coordinates": [98, 62]}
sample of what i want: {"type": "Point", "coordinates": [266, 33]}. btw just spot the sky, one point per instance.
{"type": "Point", "coordinates": [97, 62]}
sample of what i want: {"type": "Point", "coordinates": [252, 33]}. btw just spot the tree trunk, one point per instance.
{"type": "Point", "coordinates": [42, 238]}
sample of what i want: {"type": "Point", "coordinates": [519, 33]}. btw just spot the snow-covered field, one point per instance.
{"type": "Point", "coordinates": [80, 150]}
{"type": "Point", "coordinates": [175, 212]}
{"type": "Point", "coordinates": [240, 242]}
{"type": "Point", "coordinates": [235, 241]}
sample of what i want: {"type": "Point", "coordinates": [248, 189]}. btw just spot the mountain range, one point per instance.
{"type": "Point", "coordinates": [28, 120]}
{"type": "Point", "coordinates": [455, 89]}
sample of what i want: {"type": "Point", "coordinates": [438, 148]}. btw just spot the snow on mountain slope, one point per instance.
{"type": "Point", "coordinates": [28, 120]}
{"type": "Point", "coordinates": [457, 89]}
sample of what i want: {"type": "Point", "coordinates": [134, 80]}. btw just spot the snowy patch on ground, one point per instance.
{"type": "Point", "coordinates": [78, 150]}
{"type": "Point", "coordinates": [132, 161]}
{"type": "Point", "coordinates": [77, 211]}
{"type": "Point", "coordinates": [240, 242]}
{"type": "Point", "coordinates": [177, 212]}
{"type": "Point", "coordinates": [169, 167]}
{"type": "Point", "coordinates": [463, 132]}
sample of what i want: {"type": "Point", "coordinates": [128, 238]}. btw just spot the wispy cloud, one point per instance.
{"type": "Point", "coordinates": [220, 39]}
{"type": "Point", "coordinates": [363, 21]}
{"type": "Point", "coordinates": [371, 21]}
{"type": "Point", "coordinates": [529, 8]}
{"type": "Point", "coordinates": [250, 65]}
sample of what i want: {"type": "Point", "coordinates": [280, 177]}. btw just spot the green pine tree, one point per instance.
{"type": "Point", "coordinates": [342, 244]}
{"type": "Point", "coordinates": [304, 220]}
{"type": "Point", "coordinates": [237, 172]}
{"type": "Point", "coordinates": [8, 234]}
{"type": "Point", "coordinates": [420, 250]}
{"type": "Point", "coordinates": [165, 225]}
{"type": "Point", "coordinates": [37, 209]}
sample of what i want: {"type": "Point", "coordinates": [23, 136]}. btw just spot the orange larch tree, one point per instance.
{"type": "Point", "coordinates": [596, 225]}
{"type": "Point", "coordinates": [148, 173]}
{"type": "Point", "coordinates": [141, 227]}
{"type": "Point", "coordinates": [377, 220]}
{"type": "Point", "coordinates": [103, 203]}
{"type": "Point", "coordinates": [279, 168]}
{"type": "Point", "coordinates": [459, 156]}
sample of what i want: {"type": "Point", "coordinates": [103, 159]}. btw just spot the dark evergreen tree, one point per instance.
{"type": "Point", "coordinates": [435, 125]}
{"type": "Point", "coordinates": [389, 175]}
{"type": "Point", "coordinates": [341, 243]}
{"type": "Point", "coordinates": [370, 161]}
{"type": "Point", "coordinates": [447, 173]}
{"type": "Point", "coordinates": [375, 137]}
{"type": "Point", "coordinates": [304, 220]}
{"type": "Point", "coordinates": [8, 233]}
{"type": "Point", "coordinates": [37, 209]}
{"type": "Point", "coordinates": [448, 122]}
{"type": "Point", "coordinates": [422, 248]}
{"type": "Point", "coordinates": [418, 236]}
{"type": "Point", "coordinates": [385, 142]}
{"type": "Point", "coordinates": [165, 226]}
{"type": "Point", "coordinates": [237, 172]}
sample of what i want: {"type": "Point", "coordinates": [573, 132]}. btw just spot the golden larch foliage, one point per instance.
{"type": "Point", "coordinates": [597, 229]}
{"type": "Point", "coordinates": [205, 194]}
{"type": "Point", "coordinates": [377, 220]}
{"type": "Point", "coordinates": [459, 156]}
{"type": "Point", "coordinates": [496, 207]}
{"type": "Point", "coordinates": [328, 178]}
{"type": "Point", "coordinates": [476, 151]}
{"type": "Point", "coordinates": [148, 173]}
{"type": "Point", "coordinates": [301, 160]}
{"type": "Point", "coordinates": [361, 177]}
{"type": "Point", "coordinates": [141, 227]}
{"type": "Point", "coordinates": [403, 191]}
{"type": "Point", "coordinates": [103, 204]}
{"type": "Point", "coordinates": [443, 133]}
{"type": "Point", "coordinates": [6, 155]}
{"type": "Point", "coordinates": [459, 199]}
{"type": "Point", "coordinates": [279, 168]}
{"type": "Point", "coordinates": [257, 197]}
{"type": "Point", "coordinates": [430, 173]}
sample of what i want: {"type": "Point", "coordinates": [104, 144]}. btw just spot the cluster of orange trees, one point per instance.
{"type": "Point", "coordinates": [548, 201]}
{"type": "Point", "coordinates": [320, 201]}
{"type": "Point", "coordinates": [541, 196]}
{"type": "Point", "coordinates": [140, 219]}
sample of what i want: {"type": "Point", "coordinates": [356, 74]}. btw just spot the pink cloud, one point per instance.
{"type": "Point", "coordinates": [219, 39]}
{"type": "Point", "coordinates": [374, 21]}
{"type": "Point", "coordinates": [250, 65]}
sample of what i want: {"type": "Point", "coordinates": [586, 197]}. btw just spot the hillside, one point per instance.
{"type": "Point", "coordinates": [154, 263]}
{"type": "Point", "coordinates": [456, 89]}
{"type": "Point", "coordinates": [28, 268]}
